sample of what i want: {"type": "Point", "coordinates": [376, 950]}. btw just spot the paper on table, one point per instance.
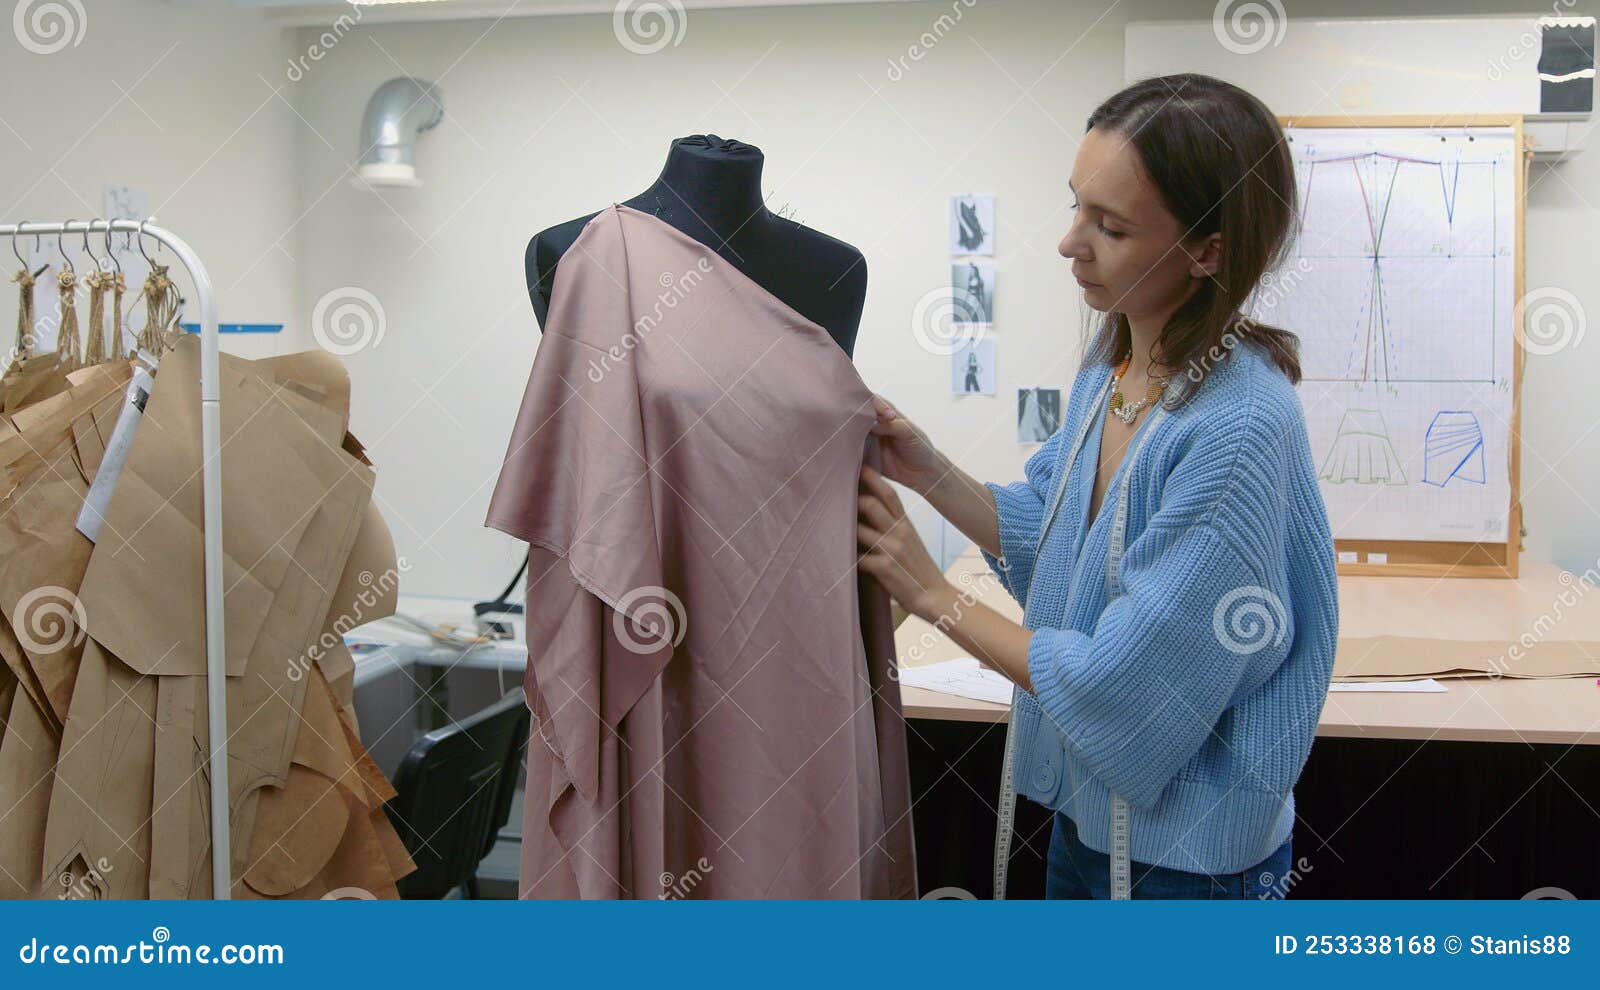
{"type": "Point", "coordinates": [963, 677]}
{"type": "Point", "coordinates": [1427, 686]}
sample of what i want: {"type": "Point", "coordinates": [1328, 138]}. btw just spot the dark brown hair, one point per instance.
{"type": "Point", "coordinates": [1221, 163]}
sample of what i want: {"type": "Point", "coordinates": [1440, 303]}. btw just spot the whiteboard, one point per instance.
{"type": "Point", "coordinates": [1401, 287]}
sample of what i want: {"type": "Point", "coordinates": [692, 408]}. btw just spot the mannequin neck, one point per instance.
{"type": "Point", "coordinates": [715, 180]}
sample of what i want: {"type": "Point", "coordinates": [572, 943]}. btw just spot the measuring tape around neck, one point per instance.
{"type": "Point", "coordinates": [1121, 816]}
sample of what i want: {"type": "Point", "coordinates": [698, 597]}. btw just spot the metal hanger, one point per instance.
{"type": "Point", "coordinates": [148, 260]}
{"type": "Point", "coordinates": [37, 241]}
{"type": "Point", "coordinates": [111, 251]}
{"type": "Point", "coordinates": [65, 261]}
{"type": "Point", "coordinates": [20, 259]}
{"type": "Point", "coordinates": [99, 265]}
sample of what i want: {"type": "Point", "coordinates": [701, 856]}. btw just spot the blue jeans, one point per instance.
{"type": "Point", "coordinates": [1073, 871]}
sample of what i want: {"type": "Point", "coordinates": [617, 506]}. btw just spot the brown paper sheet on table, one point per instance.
{"type": "Point", "coordinates": [1391, 658]}
{"type": "Point", "coordinates": [1538, 625]}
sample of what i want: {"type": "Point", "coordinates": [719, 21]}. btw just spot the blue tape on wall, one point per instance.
{"type": "Point", "coordinates": [238, 327]}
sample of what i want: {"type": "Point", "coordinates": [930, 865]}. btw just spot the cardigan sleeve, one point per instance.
{"type": "Point", "coordinates": [1019, 508]}
{"type": "Point", "coordinates": [1202, 611]}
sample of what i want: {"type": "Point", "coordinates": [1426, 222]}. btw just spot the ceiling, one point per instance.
{"type": "Point", "coordinates": [298, 13]}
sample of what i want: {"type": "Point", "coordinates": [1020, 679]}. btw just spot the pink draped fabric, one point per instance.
{"type": "Point", "coordinates": [711, 679]}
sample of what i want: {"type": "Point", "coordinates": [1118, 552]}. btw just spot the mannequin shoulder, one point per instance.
{"type": "Point", "coordinates": [542, 256]}
{"type": "Point", "coordinates": [831, 254]}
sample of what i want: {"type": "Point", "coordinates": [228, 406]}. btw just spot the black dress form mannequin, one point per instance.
{"type": "Point", "coordinates": [710, 189]}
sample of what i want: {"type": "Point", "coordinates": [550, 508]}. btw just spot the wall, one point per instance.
{"type": "Point", "coordinates": [550, 118]}
{"type": "Point", "coordinates": [183, 100]}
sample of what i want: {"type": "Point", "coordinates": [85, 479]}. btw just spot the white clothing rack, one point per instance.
{"type": "Point", "coordinates": [211, 468]}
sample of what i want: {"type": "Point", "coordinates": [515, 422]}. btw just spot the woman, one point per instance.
{"type": "Point", "coordinates": [1169, 544]}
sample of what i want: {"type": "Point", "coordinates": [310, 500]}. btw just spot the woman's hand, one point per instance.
{"type": "Point", "coordinates": [908, 457]}
{"type": "Point", "coordinates": [893, 553]}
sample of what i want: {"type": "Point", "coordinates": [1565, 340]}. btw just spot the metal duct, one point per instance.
{"type": "Point", "coordinates": [401, 109]}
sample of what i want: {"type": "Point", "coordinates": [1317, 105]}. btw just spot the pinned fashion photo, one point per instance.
{"type": "Point", "coordinates": [1038, 414]}
{"type": "Point", "coordinates": [972, 284]}
{"type": "Point", "coordinates": [972, 223]}
{"type": "Point", "coordinates": [972, 368]}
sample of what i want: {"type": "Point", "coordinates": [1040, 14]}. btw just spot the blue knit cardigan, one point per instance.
{"type": "Point", "coordinates": [1194, 691]}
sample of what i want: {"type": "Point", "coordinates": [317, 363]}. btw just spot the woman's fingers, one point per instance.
{"type": "Point", "coordinates": [876, 565]}
{"type": "Point", "coordinates": [876, 484]}
{"type": "Point", "coordinates": [875, 512]}
{"type": "Point", "coordinates": [898, 428]}
{"type": "Point", "coordinates": [888, 421]}
{"type": "Point", "coordinates": [867, 536]}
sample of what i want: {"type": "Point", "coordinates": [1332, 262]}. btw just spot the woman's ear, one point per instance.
{"type": "Point", "coordinates": [1207, 261]}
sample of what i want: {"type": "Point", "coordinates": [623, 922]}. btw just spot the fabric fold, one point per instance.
{"type": "Point", "coordinates": [710, 675]}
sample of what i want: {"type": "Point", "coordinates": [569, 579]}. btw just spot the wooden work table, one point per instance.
{"type": "Point", "coordinates": [1506, 709]}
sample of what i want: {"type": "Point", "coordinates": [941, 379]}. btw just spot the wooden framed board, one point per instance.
{"type": "Point", "coordinates": [1405, 285]}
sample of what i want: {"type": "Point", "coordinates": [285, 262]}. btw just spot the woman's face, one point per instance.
{"type": "Point", "coordinates": [1128, 252]}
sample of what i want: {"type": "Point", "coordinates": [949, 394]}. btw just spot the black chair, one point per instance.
{"type": "Point", "coordinates": [454, 793]}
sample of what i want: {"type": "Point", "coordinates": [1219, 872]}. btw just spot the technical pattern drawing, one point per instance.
{"type": "Point", "coordinates": [1362, 452]}
{"type": "Point", "coordinates": [1453, 449]}
{"type": "Point", "coordinates": [1401, 286]}
{"type": "Point", "coordinates": [1402, 251]}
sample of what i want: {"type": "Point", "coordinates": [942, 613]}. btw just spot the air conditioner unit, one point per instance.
{"type": "Point", "coordinates": [1556, 135]}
